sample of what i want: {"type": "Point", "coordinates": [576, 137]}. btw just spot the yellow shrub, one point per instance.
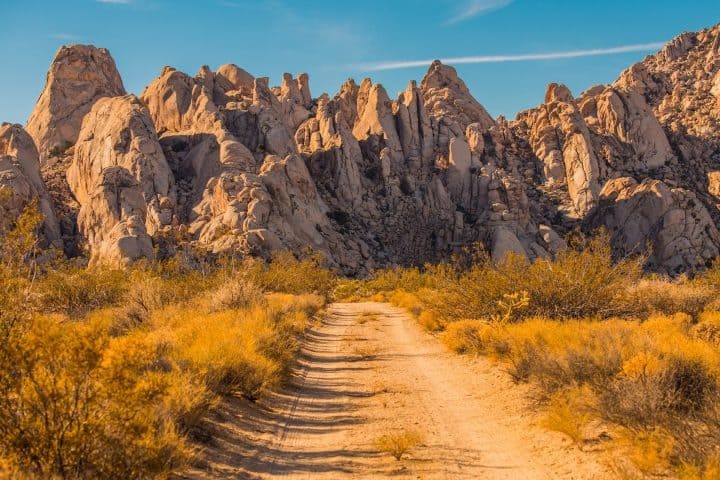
{"type": "Point", "coordinates": [287, 274]}
{"type": "Point", "coordinates": [670, 297]}
{"type": "Point", "coordinates": [406, 300]}
{"type": "Point", "coordinates": [235, 293]}
{"type": "Point", "coordinates": [642, 365]}
{"type": "Point", "coordinates": [222, 348]}
{"type": "Point", "coordinates": [469, 336]}
{"type": "Point", "coordinates": [650, 450]}
{"type": "Point", "coordinates": [103, 420]}
{"type": "Point", "coordinates": [398, 443]}
{"type": "Point", "coordinates": [108, 383]}
{"type": "Point", "coordinates": [569, 412]}
{"type": "Point", "coordinates": [579, 283]}
{"type": "Point", "coordinates": [708, 328]}
{"type": "Point", "coordinates": [709, 470]}
{"type": "Point", "coordinates": [378, 297]}
{"type": "Point", "coordinates": [430, 321]}
{"type": "Point", "coordinates": [74, 291]}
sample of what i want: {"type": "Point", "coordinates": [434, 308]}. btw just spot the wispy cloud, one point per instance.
{"type": "Point", "coordinates": [394, 65]}
{"type": "Point", "coordinates": [473, 8]}
{"type": "Point", "coordinates": [64, 36]}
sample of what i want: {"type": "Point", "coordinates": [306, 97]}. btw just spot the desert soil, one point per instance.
{"type": "Point", "coordinates": [358, 379]}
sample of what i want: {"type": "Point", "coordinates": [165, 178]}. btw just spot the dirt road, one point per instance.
{"type": "Point", "coordinates": [364, 376]}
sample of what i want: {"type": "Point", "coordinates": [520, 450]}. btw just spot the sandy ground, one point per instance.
{"type": "Point", "coordinates": [358, 380]}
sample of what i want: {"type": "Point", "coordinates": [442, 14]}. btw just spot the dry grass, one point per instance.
{"type": "Point", "coordinates": [569, 413]}
{"type": "Point", "coordinates": [104, 373]}
{"type": "Point", "coordinates": [236, 293]}
{"type": "Point", "coordinates": [399, 443]}
{"type": "Point", "coordinates": [605, 344]}
{"type": "Point", "coordinates": [640, 376]}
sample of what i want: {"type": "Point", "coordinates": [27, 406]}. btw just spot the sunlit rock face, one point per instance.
{"type": "Point", "coordinates": [79, 76]}
{"type": "Point", "coordinates": [238, 165]}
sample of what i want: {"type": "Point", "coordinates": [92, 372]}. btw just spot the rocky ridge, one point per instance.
{"type": "Point", "coordinates": [239, 166]}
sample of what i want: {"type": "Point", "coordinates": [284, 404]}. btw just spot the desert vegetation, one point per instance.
{"type": "Point", "coordinates": [606, 347]}
{"type": "Point", "coordinates": [398, 443]}
{"type": "Point", "coordinates": [107, 373]}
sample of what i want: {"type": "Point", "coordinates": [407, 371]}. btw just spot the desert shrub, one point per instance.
{"type": "Point", "coordinates": [671, 297]}
{"type": "Point", "coordinates": [76, 405]}
{"type": "Point", "coordinates": [569, 412]}
{"type": "Point", "coordinates": [221, 348]}
{"type": "Point", "coordinates": [647, 377]}
{"type": "Point", "coordinates": [143, 296]}
{"type": "Point", "coordinates": [19, 234]}
{"type": "Point", "coordinates": [284, 303]}
{"type": "Point", "coordinates": [580, 283]}
{"type": "Point", "coordinates": [468, 336]}
{"type": "Point", "coordinates": [399, 443]}
{"type": "Point", "coordinates": [430, 321]}
{"type": "Point", "coordinates": [708, 470]}
{"type": "Point", "coordinates": [115, 392]}
{"type": "Point", "coordinates": [236, 294]}
{"type": "Point", "coordinates": [408, 301]}
{"type": "Point", "coordinates": [650, 450]}
{"type": "Point", "coordinates": [180, 284]}
{"type": "Point", "coordinates": [383, 283]}
{"type": "Point", "coordinates": [287, 274]}
{"type": "Point", "coordinates": [74, 291]}
{"type": "Point", "coordinates": [366, 317]}
{"type": "Point", "coordinates": [708, 328]}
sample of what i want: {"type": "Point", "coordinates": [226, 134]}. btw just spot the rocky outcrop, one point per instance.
{"type": "Point", "coordinates": [20, 178]}
{"type": "Point", "coordinates": [112, 219]}
{"type": "Point", "coordinates": [376, 126]}
{"type": "Point", "coordinates": [391, 182]}
{"type": "Point", "coordinates": [119, 132]}
{"type": "Point", "coordinates": [240, 166]}
{"type": "Point", "coordinates": [117, 215]}
{"type": "Point", "coordinates": [78, 77]}
{"type": "Point", "coordinates": [561, 139]}
{"type": "Point", "coordinates": [447, 98]}
{"type": "Point", "coordinates": [632, 136]}
{"type": "Point", "coordinates": [676, 226]}
{"type": "Point", "coordinates": [334, 153]}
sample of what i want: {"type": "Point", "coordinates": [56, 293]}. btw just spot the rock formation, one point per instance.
{"type": "Point", "coordinates": [121, 180]}
{"type": "Point", "coordinates": [678, 227]}
{"type": "Point", "coordinates": [112, 219]}
{"type": "Point", "coordinates": [20, 177]}
{"type": "Point", "coordinates": [243, 167]}
{"type": "Point", "coordinates": [78, 77]}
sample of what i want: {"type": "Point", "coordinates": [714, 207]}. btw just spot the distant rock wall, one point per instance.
{"type": "Point", "coordinates": [368, 180]}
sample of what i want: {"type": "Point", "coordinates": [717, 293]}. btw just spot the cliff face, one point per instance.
{"type": "Point", "coordinates": [368, 180]}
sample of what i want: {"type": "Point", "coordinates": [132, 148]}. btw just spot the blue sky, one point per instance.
{"type": "Point", "coordinates": [333, 40]}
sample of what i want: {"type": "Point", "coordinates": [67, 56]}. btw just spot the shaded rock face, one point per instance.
{"type": "Point", "coordinates": [20, 178]}
{"type": "Point", "coordinates": [371, 180]}
{"type": "Point", "coordinates": [560, 138]}
{"type": "Point", "coordinates": [79, 75]}
{"type": "Point", "coordinates": [112, 219]}
{"type": "Point", "coordinates": [678, 228]}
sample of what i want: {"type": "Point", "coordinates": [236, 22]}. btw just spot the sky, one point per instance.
{"type": "Point", "coordinates": [506, 51]}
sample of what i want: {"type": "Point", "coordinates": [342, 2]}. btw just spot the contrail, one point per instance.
{"type": "Point", "coordinates": [475, 8]}
{"type": "Point", "coordinates": [393, 65]}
